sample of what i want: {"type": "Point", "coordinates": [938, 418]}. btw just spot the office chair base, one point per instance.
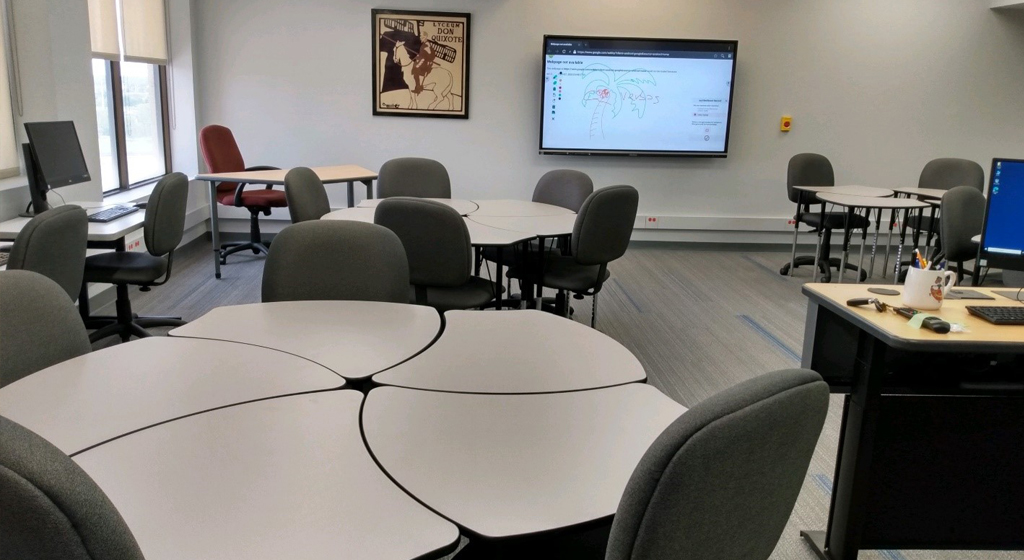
{"type": "Point", "coordinates": [816, 540]}
{"type": "Point", "coordinates": [126, 324]}
{"type": "Point", "coordinates": [826, 270]}
{"type": "Point", "coordinates": [232, 248]}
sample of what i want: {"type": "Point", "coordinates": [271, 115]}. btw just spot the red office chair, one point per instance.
{"type": "Point", "coordinates": [222, 156]}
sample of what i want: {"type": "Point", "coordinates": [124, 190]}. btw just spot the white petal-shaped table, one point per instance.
{"type": "Point", "coordinates": [513, 465]}
{"type": "Point", "coordinates": [111, 392]}
{"type": "Point", "coordinates": [517, 208]}
{"type": "Point", "coordinates": [516, 352]}
{"type": "Point", "coordinates": [356, 214]}
{"type": "Point", "coordinates": [281, 478]}
{"type": "Point", "coordinates": [461, 206]}
{"type": "Point", "coordinates": [544, 226]}
{"type": "Point", "coordinates": [355, 339]}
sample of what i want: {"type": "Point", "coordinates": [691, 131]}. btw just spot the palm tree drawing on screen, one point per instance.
{"type": "Point", "coordinates": [609, 88]}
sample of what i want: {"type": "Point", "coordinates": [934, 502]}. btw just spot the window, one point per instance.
{"type": "Point", "coordinates": [130, 82]}
{"type": "Point", "coordinates": [9, 164]}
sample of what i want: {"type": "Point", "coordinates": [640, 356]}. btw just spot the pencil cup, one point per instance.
{"type": "Point", "coordinates": [925, 289]}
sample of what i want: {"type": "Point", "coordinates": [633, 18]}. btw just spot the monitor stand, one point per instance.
{"type": "Point", "coordinates": [37, 186]}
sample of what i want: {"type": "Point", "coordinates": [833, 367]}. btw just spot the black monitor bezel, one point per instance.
{"type": "Point", "coordinates": [638, 153]}
{"type": "Point", "coordinates": [60, 181]}
{"type": "Point", "coordinates": [997, 260]}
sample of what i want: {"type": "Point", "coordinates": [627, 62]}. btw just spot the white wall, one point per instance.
{"type": "Point", "coordinates": [881, 87]}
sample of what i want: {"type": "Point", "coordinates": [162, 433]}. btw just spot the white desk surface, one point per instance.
{"type": "Point", "coordinates": [461, 206]}
{"type": "Point", "coordinates": [327, 174]}
{"type": "Point", "coordinates": [517, 208]}
{"type": "Point", "coordinates": [852, 201]}
{"type": "Point", "coordinates": [111, 392]}
{"type": "Point", "coordinates": [110, 231]}
{"type": "Point", "coordinates": [921, 192]}
{"type": "Point", "coordinates": [545, 226]}
{"type": "Point", "coordinates": [856, 190]}
{"type": "Point", "coordinates": [487, 236]}
{"type": "Point", "coordinates": [516, 352]}
{"type": "Point", "coordinates": [281, 478]}
{"type": "Point", "coordinates": [356, 214]}
{"type": "Point", "coordinates": [505, 465]}
{"type": "Point", "coordinates": [976, 239]}
{"type": "Point", "coordinates": [354, 339]}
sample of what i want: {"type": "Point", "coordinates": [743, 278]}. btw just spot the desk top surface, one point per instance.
{"type": "Point", "coordinates": [479, 234]}
{"type": "Point", "coordinates": [111, 392]}
{"type": "Point", "coordinates": [281, 478]}
{"type": "Point", "coordinates": [356, 214]}
{"type": "Point", "coordinates": [922, 193]}
{"type": "Point", "coordinates": [544, 226]}
{"type": "Point", "coordinates": [894, 329]}
{"type": "Point", "coordinates": [355, 339]}
{"type": "Point", "coordinates": [110, 231]}
{"type": "Point", "coordinates": [519, 352]}
{"type": "Point", "coordinates": [461, 206]}
{"type": "Point", "coordinates": [856, 190]}
{"type": "Point", "coordinates": [327, 174]}
{"type": "Point", "coordinates": [505, 465]}
{"type": "Point", "coordinates": [854, 201]}
{"type": "Point", "coordinates": [518, 208]}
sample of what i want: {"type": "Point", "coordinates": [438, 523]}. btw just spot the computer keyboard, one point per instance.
{"type": "Point", "coordinates": [4, 255]}
{"type": "Point", "coordinates": [998, 315]}
{"type": "Point", "coordinates": [112, 213]}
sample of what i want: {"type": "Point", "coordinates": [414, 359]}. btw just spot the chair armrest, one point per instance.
{"type": "Point", "coordinates": [241, 186]}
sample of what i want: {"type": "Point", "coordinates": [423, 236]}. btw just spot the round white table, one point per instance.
{"type": "Point", "coordinates": [540, 226]}
{"type": "Point", "coordinates": [281, 478]}
{"type": "Point", "coordinates": [354, 339]}
{"type": "Point", "coordinates": [106, 394]}
{"type": "Point", "coordinates": [515, 465]}
{"type": "Point", "coordinates": [922, 193]}
{"type": "Point", "coordinates": [855, 190]}
{"type": "Point", "coordinates": [517, 208]}
{"type": "Point", "coordinates": [461, 206]}
{"type": "Point", "coordinates": [356, 214]}
{"type": "Point", "coordinates": [519, 353]}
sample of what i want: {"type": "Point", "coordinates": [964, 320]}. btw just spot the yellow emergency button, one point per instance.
{"type": "Point", "coordinates": [786, 123]}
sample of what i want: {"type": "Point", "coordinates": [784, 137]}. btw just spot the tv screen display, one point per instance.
{"type": "Point", "coordinates": [617, 96]}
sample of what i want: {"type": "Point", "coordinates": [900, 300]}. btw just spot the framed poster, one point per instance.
{"type": "Point", "coordinates": [420, 64]}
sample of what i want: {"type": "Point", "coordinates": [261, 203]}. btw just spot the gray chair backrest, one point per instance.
{"type": "Point", "coordinates": [336, 260]}
{"type": "Point", "coordinates": [567, 188]}
{"type": "Point", "coordinates": [435, 238]}
{"type": "Point", "coordinates": [720, 482]}
{"type": "Point", "coordinates": [946, 173]}
{"type": "Point", "coordinates": [307, 197]}
{"type": "Point", "coordinates": [808, 170]}
{"type": "Point", "coordinates": [963, 215]}
{"type": "Point", "coordinates": [53, 244]}
{"type": "Point", "coordinates": [39, 325]}
{"type": "Point", "coordinates": [165, 214]}
{"type": "Point", "coordinates": [412, 176]}
{"type": "Point", "coordinates": [604, 225]}
{"type": "Point", "coordinates": [51, 508]}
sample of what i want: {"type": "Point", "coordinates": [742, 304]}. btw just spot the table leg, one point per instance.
{"type": "Point", "coordinates": [874, 242]}
{"type": "Point", "coordinates": [351, 193]}
{"type": "Point", "coordinates": [497, 277]}
{"type": "Point", "coordinates": [477, 260]}
{"type": "Point", "coordinates": [846, 243]}
{"type": "Point", "coordinates": [894, 216]}
{"type": "Point", "coordinates": [863, 242]}
{"type": "Point", "coordinates": [817, 251]}
{"type": "Point", "coordinates": [928, 238]}
{"type": "Point", "coordinates": [215, 229]}
{"type": "Point", "coordinates": [899, 249]}
{"type": "Point", "coordinates": [369, 188]}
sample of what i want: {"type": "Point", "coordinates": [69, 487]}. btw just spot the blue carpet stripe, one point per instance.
{"type": "Point", "coordinates": [774, 272]}
{"type": "Point", "coordinates": [770, 337]}
{"type": "Point", "coordinates": [628, 297]}
{"type": "Point", "coordinates": [825, 483]}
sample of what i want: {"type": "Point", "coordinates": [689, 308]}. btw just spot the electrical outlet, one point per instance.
{"type": "Point", "coordinates": [652, 222]}
{"type": "Point", "coordinates": [790, 222]}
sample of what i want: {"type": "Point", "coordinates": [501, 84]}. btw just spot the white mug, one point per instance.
{"type": "Point", "coordinates": [925, 289]}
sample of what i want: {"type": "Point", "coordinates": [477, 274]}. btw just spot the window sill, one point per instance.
{"type": "Point", "coordinates": [137, 194]}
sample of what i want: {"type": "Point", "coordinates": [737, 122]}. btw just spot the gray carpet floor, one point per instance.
{"type": "Point", "coordinates": [699, 320]}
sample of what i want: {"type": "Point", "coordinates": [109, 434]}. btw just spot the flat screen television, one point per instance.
{"type": "Point", "coordinates": [637, 97]}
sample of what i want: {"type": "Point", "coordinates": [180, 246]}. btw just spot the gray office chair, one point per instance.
{"type": "Point", "coordinates": [411, 176]}
{"type": "Point", "coordinates": [39, 325]}
{"type": "Point", "coordinates": [51, 507]}
{"type": "Point", "coordinates": [336, 260]}
{"type": "Point", "coordinates": [162, 231]}
{"type": "Point", "coordinates": [721, 481]}
{"type": "Point", "coordinates": [53, 244]}
{"type": "Point", "coordinates": [600, 235]}
{"type": "Point", "coordinates": [815, 170]}
{"type": "Point", "coordinates": [306, 195]}
{"type": "Point", "coordinates": [440, 255]}
{"type": "Point", "coordinates": [963, 215]}
{"type": "Point", "coordinates": [944, 174]}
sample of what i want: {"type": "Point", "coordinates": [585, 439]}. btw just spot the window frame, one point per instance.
{"type": "Point", "coordinates": [120, 143]}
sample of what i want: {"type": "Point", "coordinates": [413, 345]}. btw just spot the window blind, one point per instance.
{"type": "Point", "coordinates": [144, 26]}
{"type": "Point", "coordinates": [103, 29]}
{"type": "Point", "coordinates": [9, 163]}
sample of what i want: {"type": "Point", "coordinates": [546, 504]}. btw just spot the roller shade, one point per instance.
{"type": "Point", "coordinates": [103, 29]}
{"type": "Point", "coordinates": [9, 163]}
{"type": "Point", "coordinates": [145, 31]}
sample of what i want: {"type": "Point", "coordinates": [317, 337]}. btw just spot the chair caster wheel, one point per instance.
{"type": "Point", "coordinates": [784, 270]}
{"type": "Point", "coordinates": [217, 275]}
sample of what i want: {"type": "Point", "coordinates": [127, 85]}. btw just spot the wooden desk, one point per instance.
{"type": "Point", "coordinates": [463, 207]}
{"type": "Point", "coordinates": [348, 174]}
{"type": "Point", "coordinates": [517, 208]}
{"type": "Point", "coordinates": [929, 455]}
{"type": "Point", "coordinates": [281, 478]}
{"type": "Point", "coordinates": [511, 465]}
{"type": "Point", "coordinates": [354, 339]}
{"type": "Point", "coordinates": [115, 391]}
{"type": "Point", "coordinates": [538, 353]}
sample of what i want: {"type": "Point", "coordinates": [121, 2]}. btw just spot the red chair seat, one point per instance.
{"type": "Point", "coordinates": [258, 196]}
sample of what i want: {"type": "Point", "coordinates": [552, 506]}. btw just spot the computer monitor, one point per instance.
{"type": "Point", "coordinates": [1002, 235]}
{"type": "Point", "coordinates": [53, 159]}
